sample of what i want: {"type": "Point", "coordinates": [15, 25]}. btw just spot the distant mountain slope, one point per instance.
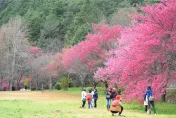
{"type": "Point", "coordinates": [61, 22]}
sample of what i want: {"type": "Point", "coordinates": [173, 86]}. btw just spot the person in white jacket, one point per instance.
{"type": "Point", "coordinates": [92, 93]}
{"type": "Point", "coordinates": [83, 97]}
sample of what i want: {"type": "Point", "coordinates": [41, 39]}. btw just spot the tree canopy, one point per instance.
{"type": "Point", "coordinates": [68, 21]}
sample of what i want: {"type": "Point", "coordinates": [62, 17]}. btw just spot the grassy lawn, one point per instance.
{"type": "Point", "coordinates": [68, 107]}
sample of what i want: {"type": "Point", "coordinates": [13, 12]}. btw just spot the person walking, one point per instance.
{"type": "Point", "coordinates": [150, 99]}
{"type": "Point", "coordinates": [145, 102]}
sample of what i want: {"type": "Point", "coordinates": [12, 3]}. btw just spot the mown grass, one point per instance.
{"type": "Point", "coordinates": [69, 108]}
{"type": "Point", "coordinates": [162, 108]}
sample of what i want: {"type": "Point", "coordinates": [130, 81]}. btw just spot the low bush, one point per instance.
{"type": "Point", "coordinates": [58, 86]}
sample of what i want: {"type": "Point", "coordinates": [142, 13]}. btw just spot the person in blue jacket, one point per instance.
{"type": "Point", "coordinates": [150, 99]}
{"type": "Point", "coordinates": [95, 97]}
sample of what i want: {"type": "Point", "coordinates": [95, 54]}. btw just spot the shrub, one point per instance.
{"type": "Point", "coordinates": [13, 88]}
{"type": "Point", "coordinates": [4, 89]}
{"type": "Point", "coordinates": [33, 89]}
{"type": "Point", "coordinates": [58, 86]}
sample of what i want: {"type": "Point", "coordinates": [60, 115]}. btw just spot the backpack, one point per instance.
{"type": "Point", "coordinates": [115, 103]}
{"type": "Point", "coordinates": [89, 97]}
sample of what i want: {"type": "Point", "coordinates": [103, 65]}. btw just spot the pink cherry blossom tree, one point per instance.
{"type": "Point", "coordinates": [146, 53]}
{"type": "Point", "coordinates": [84, 58]}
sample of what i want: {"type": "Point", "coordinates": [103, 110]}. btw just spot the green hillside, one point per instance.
{"type": "Point", "coordinates": [62, 22]}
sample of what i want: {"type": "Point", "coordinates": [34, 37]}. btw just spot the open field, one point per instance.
{"type": "Point", "coordinates": [66, 105]}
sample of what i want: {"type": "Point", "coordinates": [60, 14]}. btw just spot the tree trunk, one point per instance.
{"type": "Point", "coordinates": [1, 81]}
{"type": "Point", "coordinates": [95, 84]}
{"type": "Point", "coordinates": [50, 83]}
{"type": "Point", "coordinates": [11, 86]}
{"type": "Point", "coordinates": [106, 85]}
{"type": "Point", "coordinates": [42, 88]}
{"type": "Point", "coordinates": [13, 66]}
{"type": "Point", "coordinates": [18, 81]}
{"type": "Point", "coordinates": [82, 82]}
{"type": "Point", "coordinates": [30, 85]}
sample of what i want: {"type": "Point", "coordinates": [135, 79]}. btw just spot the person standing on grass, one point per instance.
{"type": "Point", "coordinates": [145, 103]}
{"type": "Point", "coordinates": [150, 100]}
{"type": "Point", "coordinates": [89, 99]}
{"type": "Point", "coordinates": [113, 94]}
{"type": "Point", "coordinates": [83, 97]}
{"type": "Point", "coordinates": [108, 98]}
{"type": "Point", "coordinates": [95, 97]}
{"type": "Point", "coordinates": [92, 93]}
{"type": "Point", "coordinates": [163, 94]}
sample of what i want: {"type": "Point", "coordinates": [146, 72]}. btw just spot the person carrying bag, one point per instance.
{"type": "Point", "coordinates": [150, 99]}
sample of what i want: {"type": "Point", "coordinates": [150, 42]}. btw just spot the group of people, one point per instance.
{"type": "Point", "coordinates": [115, 98]}
{"type": "Point", "coordinates": [91, 97]}
{"type": "Point", "coordinates": [114, 101]}
{"type": "Point", "coordinates": [111, 96]}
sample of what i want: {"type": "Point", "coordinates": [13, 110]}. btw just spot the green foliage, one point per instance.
{"type": "Point", "coordinates": [171, 96]}
{"type": "Point", "coordinates": [35, 21]}
{"type": "Point", "coordinates": [33, 89]}
{"type": "Point", "coordinates": [161, 108]}
{"type": "Point", "coordinates": [4, 4]}
{"type": "Point", "coordinates": [51, 36]}
{"type": "Point", "coordinates": [26, 82]}
{"type": "Point", "coordinates": [78, 90]}
{"type": "Point", "coordinates": [66, 21]}
{"type": "Point", "coordinates": [58, 86]}
{"type": "Point", "coordinates": [65, 82]}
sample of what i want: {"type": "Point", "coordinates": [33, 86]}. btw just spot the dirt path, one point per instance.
{"type": "Point", "coordinates": [28, 95]}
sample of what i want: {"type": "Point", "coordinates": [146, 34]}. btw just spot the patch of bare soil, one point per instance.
{"type": "Point", "coordinates": [37, 95]}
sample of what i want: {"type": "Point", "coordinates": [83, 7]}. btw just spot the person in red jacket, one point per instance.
{"type": "Point", "coordinates": [89, 99]}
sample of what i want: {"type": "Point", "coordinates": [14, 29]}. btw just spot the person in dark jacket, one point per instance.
{"type": "Point", "coordinates": [113, 94]}
{"type": "Point", "coordinates": [95, 97]}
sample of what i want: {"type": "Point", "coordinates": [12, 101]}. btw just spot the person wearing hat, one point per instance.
{"type": "Point", "coordinates": [116, 106]}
